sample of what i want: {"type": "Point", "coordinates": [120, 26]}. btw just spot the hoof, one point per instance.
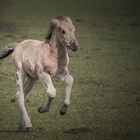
{"type": "Point", "coordinates": [29, 129]}
{"type": "Point", "coordinates": [63, 109]}
{"type": "Point", "coordinates": [24, 128]}
{"type": "Point", "coordinates": [62, 113]}
{"type": "Point", "coordinates": [41, 110]}
{"type": "Point", "coordinates": [28, 100]}
{"type": "Point", "coordinates": [13, 100]}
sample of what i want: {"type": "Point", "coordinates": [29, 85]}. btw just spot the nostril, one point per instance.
{"type": "Point", "coordinates": [75, 48]}
{"type": "Point", "coordinates": [74, 43]}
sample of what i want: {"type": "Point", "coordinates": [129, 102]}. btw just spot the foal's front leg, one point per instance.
{"type": "Point", "coordinates": [68, 81]}
{"type": "Point", "coordinates": [47, 82]}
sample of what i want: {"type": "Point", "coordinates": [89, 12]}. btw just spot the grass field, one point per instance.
{"type": "Point", "coordinates": [105, 103]}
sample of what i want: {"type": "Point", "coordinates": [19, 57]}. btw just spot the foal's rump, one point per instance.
{"type": "Point", "coordinates": [27, 53]}
{"type": "Point", "coordinates": [23, 45]}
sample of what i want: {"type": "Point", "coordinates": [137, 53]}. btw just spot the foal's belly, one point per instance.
{"type": "Point", "coordinates": [34, 69]}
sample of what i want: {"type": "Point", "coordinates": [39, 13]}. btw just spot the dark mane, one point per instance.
{"type": "Point", "coordinates": [52, 27]}
{"type": "Point", "coordinates": [50, 31]}
{"type": "Point", "coordinates": [60, 18]}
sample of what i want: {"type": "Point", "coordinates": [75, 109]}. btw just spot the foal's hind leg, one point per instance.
{"type": "Point", "coordinates": [24, 120]}
{"type": "Point", "coordinates": [28, 84]}
{"type": "Point", "coordinates": [47, 82]}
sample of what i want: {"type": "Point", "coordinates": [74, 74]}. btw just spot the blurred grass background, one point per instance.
{"type": "Point", "coordinates": [106, 69]}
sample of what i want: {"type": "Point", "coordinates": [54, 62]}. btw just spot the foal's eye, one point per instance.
{"type": "Point", "coordinates": [63, 32]}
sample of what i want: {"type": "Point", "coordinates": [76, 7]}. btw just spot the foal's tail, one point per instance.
{"type": "Point", "coordinates": [8, 50]}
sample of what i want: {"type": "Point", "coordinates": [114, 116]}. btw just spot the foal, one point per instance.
{"type": "Point", "coordinates": [39, 60]}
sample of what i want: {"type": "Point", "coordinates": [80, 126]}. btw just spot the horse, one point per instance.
{"type": "Point", "coordinates": [40, 60]}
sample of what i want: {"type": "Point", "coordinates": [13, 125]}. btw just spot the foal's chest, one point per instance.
{"type": "Point", "coordinates": [55, 62]}
{"type": "Point", "coordinates": [50, 68]}
{"type": "Point", "coordinates": [55, 67]}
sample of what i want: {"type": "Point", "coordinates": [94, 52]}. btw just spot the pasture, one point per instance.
{"type": "Point", "coordinates": [105, 102]}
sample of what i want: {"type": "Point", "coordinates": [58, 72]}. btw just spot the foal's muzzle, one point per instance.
{"type": "Point", "coordinates": [74, 46]}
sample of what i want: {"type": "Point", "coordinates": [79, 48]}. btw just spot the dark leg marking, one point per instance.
{"type": "Point", "coordinates": [46, 107]}
{"type": "Point", "coordinates": [64, 109]}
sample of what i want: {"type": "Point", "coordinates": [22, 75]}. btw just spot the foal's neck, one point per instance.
{"type": "Point", "coordinates": [57, 50]}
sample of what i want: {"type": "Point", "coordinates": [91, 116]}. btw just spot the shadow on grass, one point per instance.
{"type": "Point", "coordinates": [11, 131]}
{"type": "Point", "coordinates": [71, 131]}
{"type": "Point", "coordinates": [79, 130]}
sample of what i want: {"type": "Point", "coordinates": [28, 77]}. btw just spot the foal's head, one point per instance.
{"type": "Point", "coordinates": [65, 31]}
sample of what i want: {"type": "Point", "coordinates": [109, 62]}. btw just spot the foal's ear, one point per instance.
{"type": "Point", "coordinates": [55, 22]}
{"type": "Point", "coordinates": [68, 19]}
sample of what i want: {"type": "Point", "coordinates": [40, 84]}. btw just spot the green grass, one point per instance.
{"type": "Point", "coordinates": [106, 69]}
